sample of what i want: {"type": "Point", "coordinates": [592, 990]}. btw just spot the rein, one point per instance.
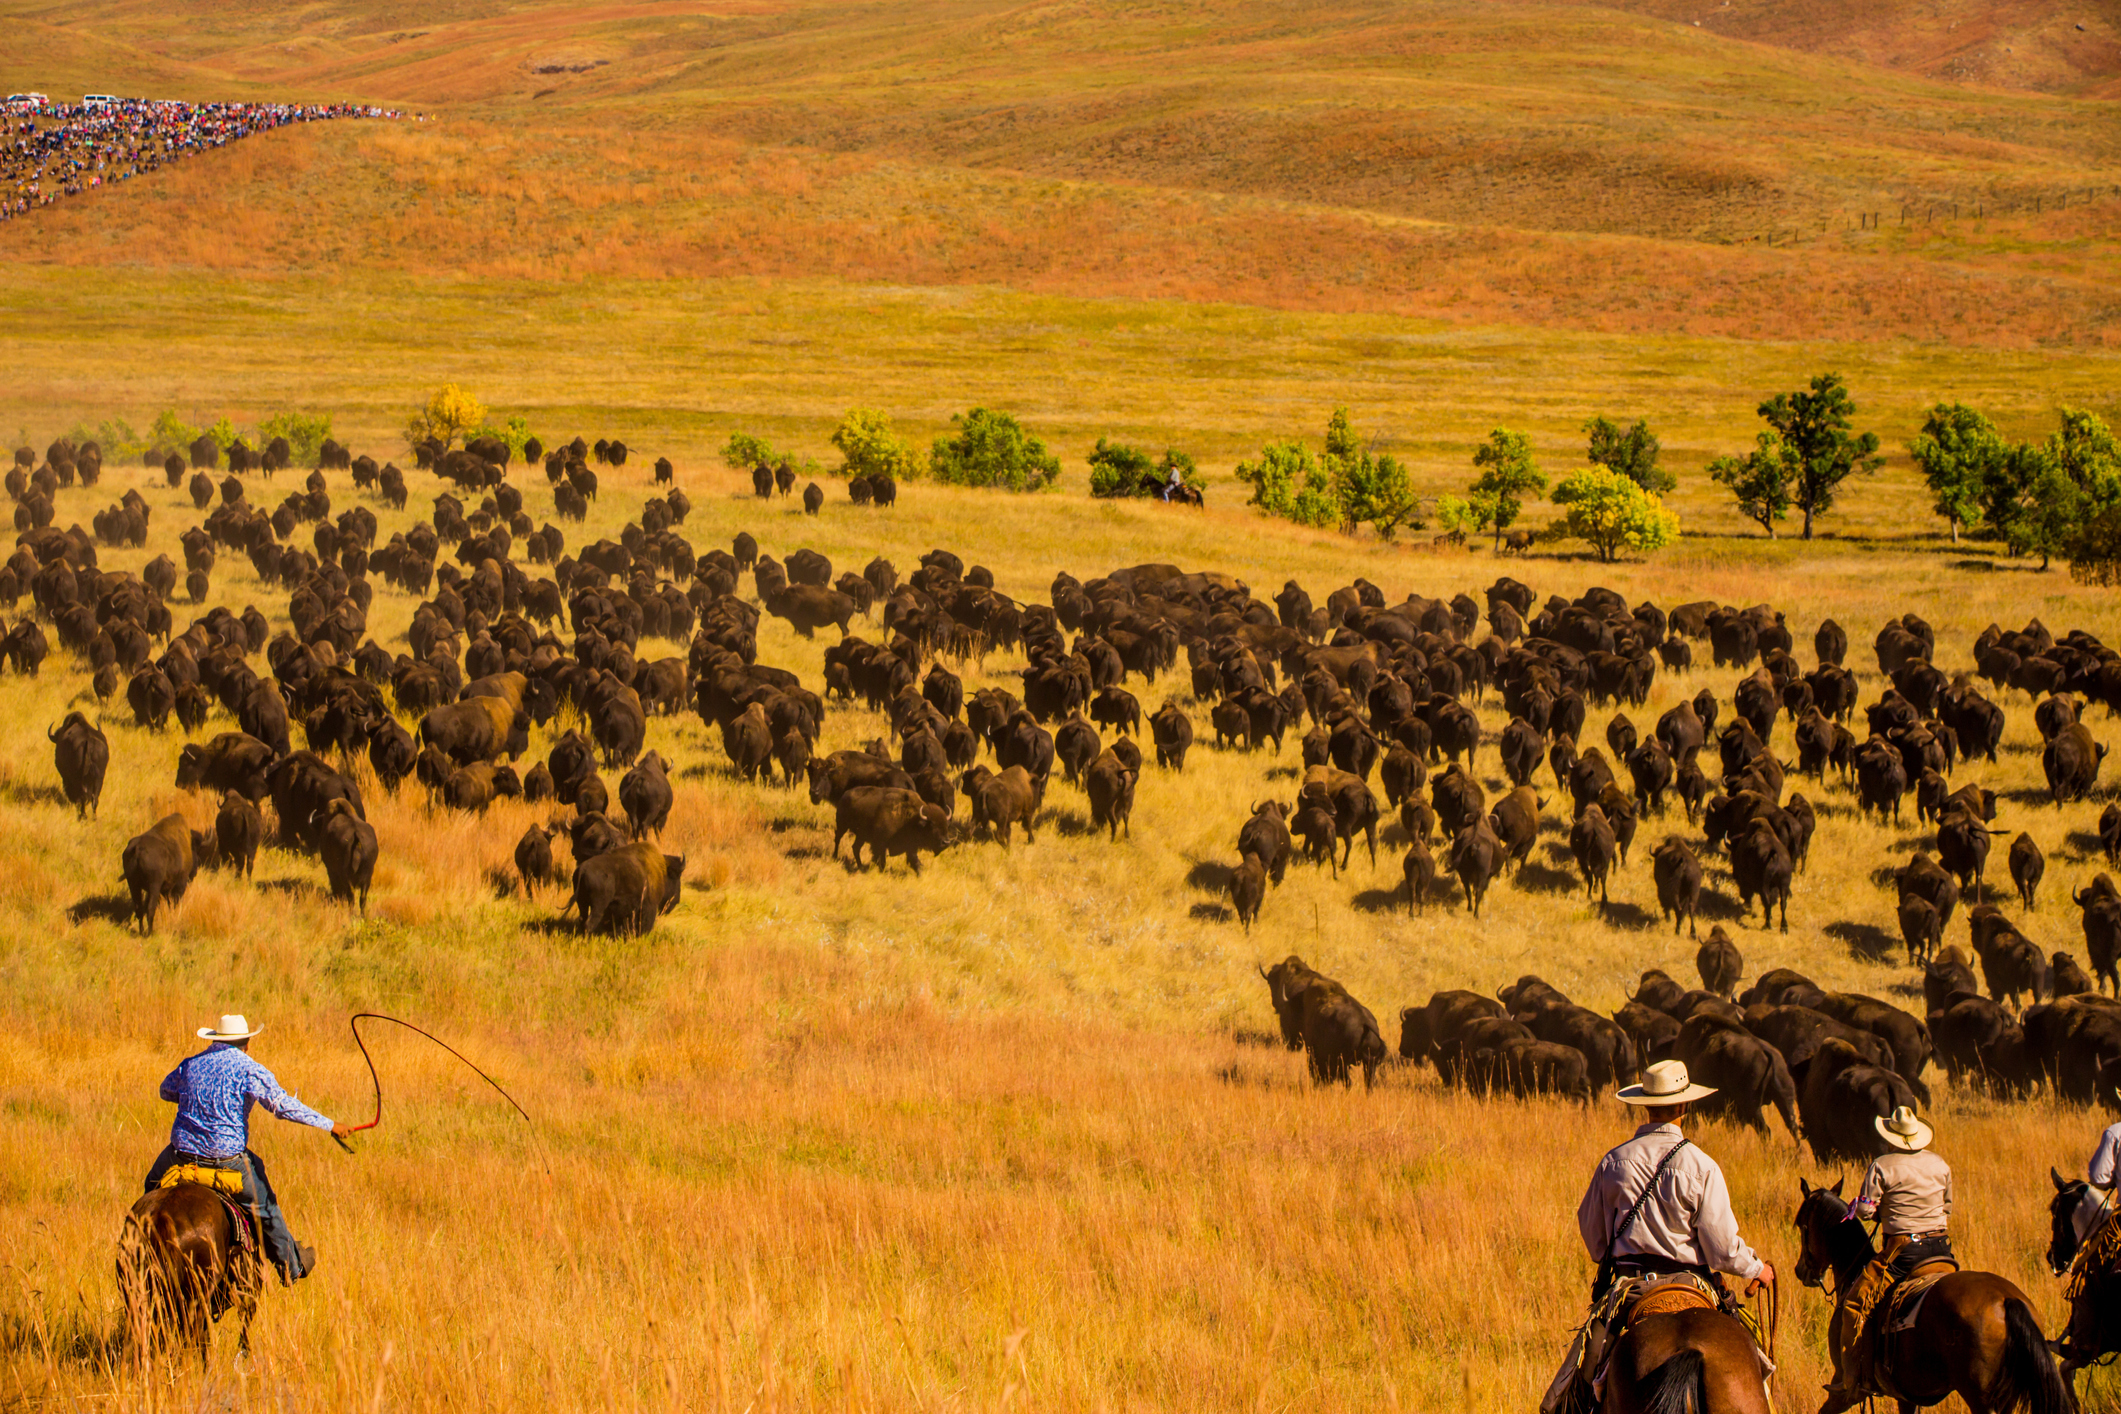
{"type": "Point", "coordinates": [354, 1024]}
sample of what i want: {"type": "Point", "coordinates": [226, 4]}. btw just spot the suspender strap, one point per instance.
{"type": "Point", "coordinates": [1627, 1224]}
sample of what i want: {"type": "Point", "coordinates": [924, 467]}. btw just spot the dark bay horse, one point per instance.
{"type": "Point", "coordinates": [2094, 1326]}
{"type": "Point", "coordinates": [1976, 1336]}
{"type": "Point", "coordinates": [182, 1264]}
{"type": "Point", "coordinates": [1689, 1362]}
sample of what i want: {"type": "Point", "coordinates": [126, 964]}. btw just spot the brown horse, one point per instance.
{"type": "Point", "coordinates": [2094, 1328]}
{"type": "Point", "coordinates": [182, 1264]}
{"type": "Point", "coordinates": [1689, 1362]}
{"type": "Point", "coordinates": [1976, 1336]}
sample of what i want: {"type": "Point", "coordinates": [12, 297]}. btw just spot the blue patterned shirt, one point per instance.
{"type": "Point", "coordinates": [213, 1092]}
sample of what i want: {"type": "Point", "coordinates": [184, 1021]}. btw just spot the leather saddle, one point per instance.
{"type": "Point", "coordinates": [1896, 1313]}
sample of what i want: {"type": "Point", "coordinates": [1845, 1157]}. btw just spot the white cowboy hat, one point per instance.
{"type": "Point", "coordinates": [1903, 1131]}
{"type": "Point", "coordinates": [1665, 1083]}
{"type": "Point", "coordinates": [233, 1028]}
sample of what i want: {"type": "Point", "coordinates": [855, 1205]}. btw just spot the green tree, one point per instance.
{"type": "Point", "coordinates": [1507, 475]}
{"type": "Point", "coordinates": [869, 448]}
{"type": "Point", "coordinates": [1465, 516]}
{"type": "Point", "coordinates": [1817, 447]}
{"type": "Point", "coordinates": [224, 433]}
{"type": "Point", "coordinates": [2087, 466]}
{"type": "Point", "coordinates": [449, 414]}
{"type": "Point", "coordinates": [1284, 471]}
{"type": "Point", "coordinates": [1367, 490]}
{"type": "Point", "coordinates": [1759, 479]}
{"type": "Point", "coordinates": [1631, 451]}
{"type": "Point", "coordinates": [305, 433]}
{"type": "Point", "coordinates": [1609, 510]}
{"type": "Point", "coordinates": [1957, 451]}
{"type": "Point", "coordinates": [990, 449]}
{"type": "Point", "coordinates": [2025, 501]}
{"type": "Point", "coordinates": [1117, 469]}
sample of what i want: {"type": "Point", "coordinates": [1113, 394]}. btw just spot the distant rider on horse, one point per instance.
{"type": "Point", "coordinates": [1909, 1191]}
{"type": "Point", "coordinates": [1657, 1213]}
{"type": "Point", "coordinates": [213, 1092]}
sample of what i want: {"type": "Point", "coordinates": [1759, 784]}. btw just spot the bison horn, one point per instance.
{"type": "Point", "coordinates": [52, 734]}
{"type": "Point", "coordinates": [1261, 971]}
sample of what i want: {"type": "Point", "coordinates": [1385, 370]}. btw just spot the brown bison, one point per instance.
{"type": "Point", "coordinates": [159, 865]}
{"type": "Point", "coordinates": [890, 821]}
{"type": "Point", "coordinates": [623, 890]}
{"type": "Point", "coordinates": [82, 754]}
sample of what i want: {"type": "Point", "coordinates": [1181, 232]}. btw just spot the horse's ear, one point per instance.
{"type": "Point", "coordinates": [1844, 1178]}
{"type": "Point", "coordinates": [1803, 1187]}
{"type": "Point", "coordinates": [2060, 1186]}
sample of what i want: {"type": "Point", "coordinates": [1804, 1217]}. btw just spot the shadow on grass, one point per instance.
{"type": "Point", "coordinates": [1211, 913]}
{"type": "Point", "coordinates": [1381, 900]}
{"type": "Point", "coordinates": [1632, 916]}
{"type": "Point", "coordinates": [1867, 942]}
{"type": "Point", "coordinates": [1719, 907]}
{"type": "Point", "coordinates": [293, 887]}
{"type": "Point", "coordinates": [22, 793]}
{"type": "Point", "coordinates": [2084, 844]}
{"type": "Point", "coordinates": [1210, 876]}
{"type": "Point", "coordinates": [111, 908]}
{"type": "Point", "coordinates": [1534, 877]}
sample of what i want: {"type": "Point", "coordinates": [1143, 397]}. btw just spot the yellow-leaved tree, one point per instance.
{"type": "Point", "coordinates": [449, 414]}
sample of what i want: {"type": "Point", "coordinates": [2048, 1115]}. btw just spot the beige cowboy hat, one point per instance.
{"type": "Point", "coordinates": [1903, 1131]}
{"type": "Point", "coordinates": [1665, 1083]}
{"type": "Point", "coordinates": [232, 1028]}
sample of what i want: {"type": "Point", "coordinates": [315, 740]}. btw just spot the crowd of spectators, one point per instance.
{"type": "Point", "coordinates": [52, 150]}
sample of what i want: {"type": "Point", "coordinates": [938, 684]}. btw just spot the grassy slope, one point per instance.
{"type": "Point", "coordinates": [1528, 164]}
{"type": "Point", "coordinates": [996, 1136]}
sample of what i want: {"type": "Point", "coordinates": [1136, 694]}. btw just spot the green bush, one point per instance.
{"type": "Point", "coordinates": [743, 451]}
{"type": "Point", "coordinates": [1347, 487]}
{"type": "Point", "coordinates": [171, 432]}
{"type": "Point", "coordinates": [990, 449]}
{"type": "Point", "coordinates": [1610, 510]}
{"type": "Point", "coordinates": [114, 436]}
{"type": "Point", "coordinates": [870, 448]}
{"type": "Point", "coordinates": [305, 434]}
{"type": "Point", "coordinates": [514, 434]}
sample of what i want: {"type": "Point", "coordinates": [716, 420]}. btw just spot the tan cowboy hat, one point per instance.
{"type": "Point", "coordinates": [1665, 1083]}
{"type": "Point", "coordinates": [1903, 1131]}
{"type": "Point", "coordinates": [233, 1028]}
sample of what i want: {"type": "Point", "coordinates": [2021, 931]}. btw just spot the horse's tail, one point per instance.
{"type": "Point", "coordinates": [2028, 1378]}
{"type": "Point", "coordinates": [1678, 1386]}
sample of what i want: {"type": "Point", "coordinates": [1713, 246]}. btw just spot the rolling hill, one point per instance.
{"type": "Point", "coordinates": [1519, 164]}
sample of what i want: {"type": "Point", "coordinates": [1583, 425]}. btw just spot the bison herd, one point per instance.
{"type": "Point", "coordinates": [1381, 696]}
{"type": "Point", "coordinates": [1828, 1063]}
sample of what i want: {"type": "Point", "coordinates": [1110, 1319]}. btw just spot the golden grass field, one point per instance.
{"type": "Point", "coordinates": [1004, 1136]}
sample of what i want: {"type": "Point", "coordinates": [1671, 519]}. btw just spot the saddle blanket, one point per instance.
{"type": "Point", "coordinates": [220, 1180]}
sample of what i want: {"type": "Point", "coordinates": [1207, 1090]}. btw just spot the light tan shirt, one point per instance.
{"type": "Point", "coordinates": [1688, 1217]}
{"type": "Point", "coordinates": [1907, 1193]}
